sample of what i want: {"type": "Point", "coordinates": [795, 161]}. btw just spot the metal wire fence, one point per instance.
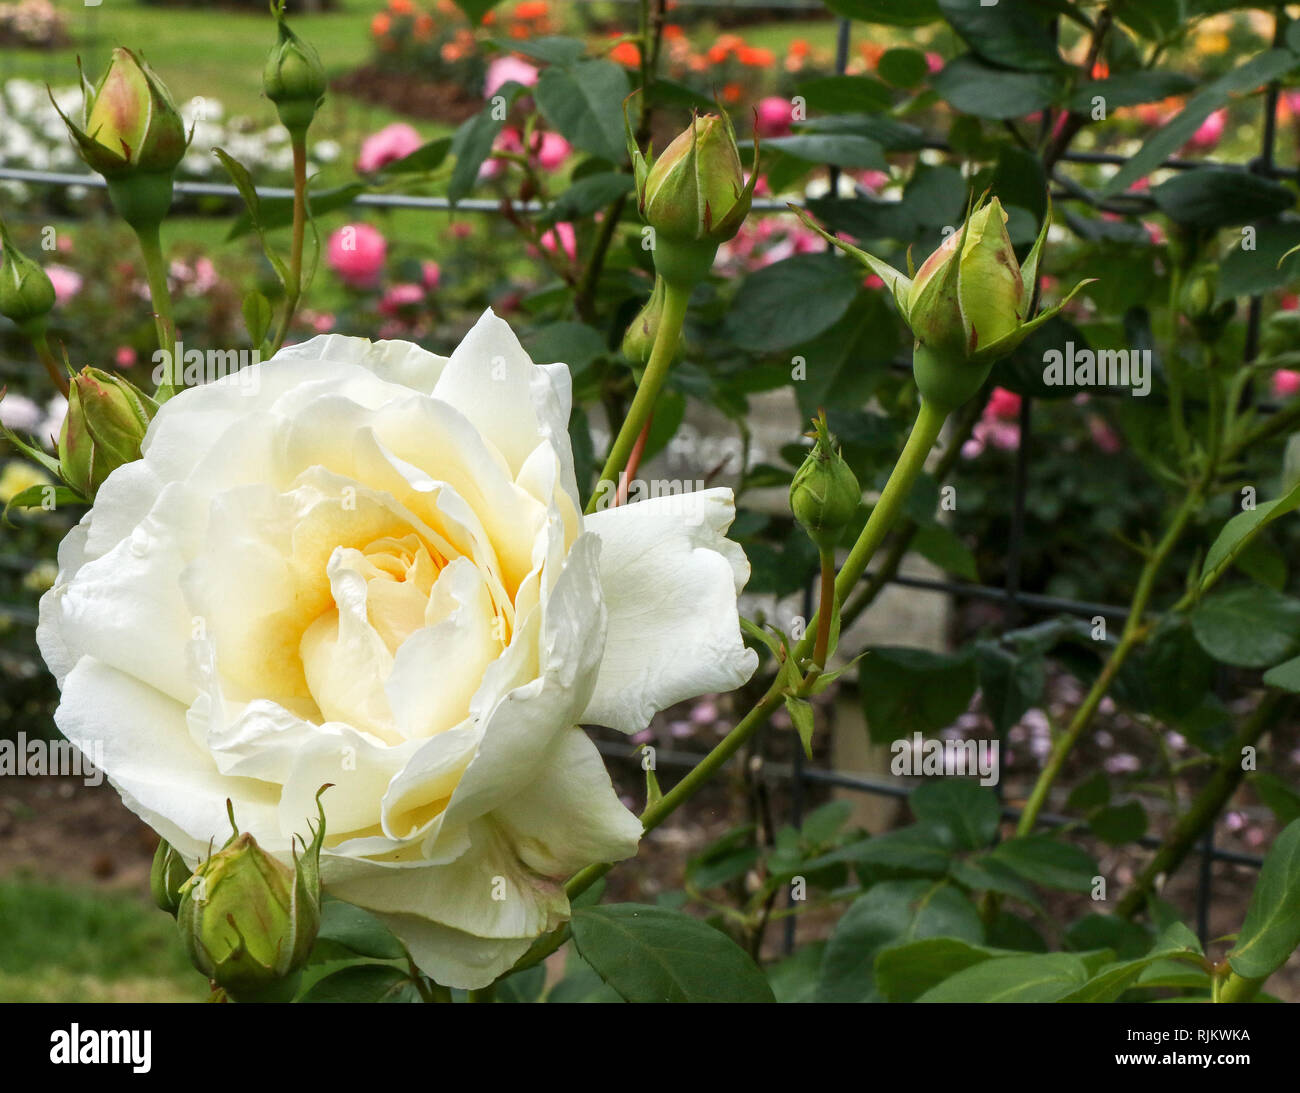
{"type": "Point", "coordinates": [1009, 594]}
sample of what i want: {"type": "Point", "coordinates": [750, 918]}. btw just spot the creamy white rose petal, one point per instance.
{"type": "Point", "coordinates": [363, 564]}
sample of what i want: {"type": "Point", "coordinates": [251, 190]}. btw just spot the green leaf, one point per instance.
{"type": "Point", "coordinates": [471, 144]}
{"type": "Point", "coordinates": [903, 67]}
{"type": "Point", "coordinates": [1277, 795]}
{"type": "Point", "coordinates": [588, 195]}
{"type": "Point", "coordinates": [973, 87]}
{"type": "Point", "coordinates": [1044, 977]}
{"type": "Point", "coordinates": [835, 149]}
{"type": "Point", "coordinates": [553, 49]}
{"type": "Point", "coordinates": [905, 972]}
{"type": "Point", "coordinates": [364, 983]}
{"type": "Point", "coordinates": [1008, 33]}
{"type": "Point", "coordinates": [846, 95]}
{"type": "Point", "coordinates": [1130, 89]}
{"type": "Point", "coordinates": [1010, 682]}
{"type": "Point", "coordinates": [42, 496]}
{"type": "Point", "coordinates": [961, 807]}
{"type": "Point", "coordinates": [822, 824]}
{"type": "Point", "coordinates": [428, 157]}
{"type": "Point", "coordinates": [649, 954]}
{"type": "Point", "coordinates": [358, 931]}
{"type": "Point", "coordinates": [1214, 197]}
{"type": "Point", "coordinates": [475, 9]}
{"type": "Point", "coordinates": [257, 316]}
{"type": "Point", "coordinates": [905, 691]}
{"type": "Point", "coordinates": [890, 913]}
{"type": "Point", "coordinates": [794, 979]}
{"type": "Point", "coordinates": [575, 344]}
{"type": "Point", "coordinates": [801, 713]}
{"type": "Point", "coordinates": [1271, 931]}
{"type": "Point", "coordinates": [1254, 272]}
{"type": "Point", "coordinates": [1047, 862]}
{"type": "Point", "coordinates": [524, 986]}
{"type": "Point", "coordinates": [939, 544]}
{"type": "Point", "coordinates": [1090, 793]}
{"type": "Point", "coordinates": [1249, 627]}
{"type": "Point", "coordinates": [1238, 532]}
{"type": "Point", "coordinates": [913, 849]}
{"type": "Point", "coordinates": [585, 103]}
{"type": "Point", "coordinates": [761, 319]}
{"type": "Point", "coordinates": [1170, 138]}
{"type": "Point", "coordinates": [1119, 824]}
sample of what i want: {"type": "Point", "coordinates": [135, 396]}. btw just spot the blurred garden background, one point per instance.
{"type": "Point", "coordinates": [539, 192]}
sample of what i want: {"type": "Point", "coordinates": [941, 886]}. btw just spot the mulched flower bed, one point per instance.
{"type": "Point", "coordinates": [407, 94]}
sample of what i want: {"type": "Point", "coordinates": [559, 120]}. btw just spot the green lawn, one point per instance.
{"type": "Point", "coordinates": [58, 942]}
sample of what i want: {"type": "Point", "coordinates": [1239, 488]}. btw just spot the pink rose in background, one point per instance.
{"type": "Point", "coordinates": [431, 275]}
{"type": "Point", "coordinates": [1106, 439]}
{"type": "Point", "coordinates": [401, 297]}
{"type": "Point", "coordinates": [125, 357]}
{"type": "Point", "coordinates": [773, 116]}
{"type": "Point", "coordinates": [356, 252]}
{"type": "Point", "coordinates": [551, 150]}
{"type": "Point", "coordinates": [1285, 382]}
{"type": "Point", "coordinates": [391, 143]}
{"type": "Point", "coordinates": [1003, 405]}
{"type": "Point", "coordinates": [1210, 132]}
{"type": "Point", "coordinates": [506, 69]}
{"type": "Point", "coordinates": [562, 237]}
{"type": "Point", "coordinates": [67, 282]}
{"type": "Point", "coordinates": [934, 62]}
{"type": "Point", "coordinates": [507, 141]}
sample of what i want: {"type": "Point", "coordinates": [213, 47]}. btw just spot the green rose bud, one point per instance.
{"type": "Point", "coordinates": [1199, 294]}
{"type": "Point", "coordinates": [166, 876]}
{"type": "Point", "coordinates": [294, 78]}
{"type": "Point", "coordinates": [26, 292]}
{"type": "Point", "coordinates": [639, 341]}
{"type": "Point", "coordinates": [133, 135]}
{"type": "Point", "coordinates": [1281, 334]}
{"type": "Point", "coordinates": [248, 921]}
{"type": "Point", "coordinates": [967, 306]}
{"type": "Point", "coordinates": [694, 196]}
{"type": "Point", "coordinates": [824, 495]}
{"type": "Point", "coordinates": [106, 421]}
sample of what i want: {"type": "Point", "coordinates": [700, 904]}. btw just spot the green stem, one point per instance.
{"type": "Point", "coordinates": [48, 359]}
{"type": "Point", "coordinates": [293, 290]}
{"type": "Point", "coordinates": [825, 609]}
{"type": "Point", "coordinates": [1236, 988]}
{"type": "Point", "coordinates": [1134, 633]}
{"type": "Point", "coordinates": [656, 371]}
{"type": "Point", "coordinates": [1227, 776]}
{"type": "Point", "coordinates": [155, 268]}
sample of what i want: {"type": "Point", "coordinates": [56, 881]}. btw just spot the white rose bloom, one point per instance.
{"type": "Point", "coordinates": [365, 565]}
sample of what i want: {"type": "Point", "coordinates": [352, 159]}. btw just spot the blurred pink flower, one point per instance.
{"type": "Point", "coordinates": [401, 297]}
{"type": "Point", "coordinates": [505, 69]}
{"type": "Point", "coordinates": [392, 142]}
{"type": "Point", "coordinates": [356, 252]}
{"type": "Point", "coordinates": [320, 321]}
{"type": "Point", "coordinates": [1106, 439]}
{"type": "Point", "coordinates": [67, 282]}
{"type": "Point", "coordinates": [125, 357]}
{"type": "Point", "coordinates": [507, 141]}
{"type": "Point", "coordinates": [551, 150]}
{"type": "Point", "coordinates": [562, 237]}
{"type": "Point", "coordinates": [1003, 405]}
{"type": "Point", "coordinates": [431, 275]}
{"type": "Point", "coordinates": [934, 62]}
{"type": "Point", "coordinates": [773, 116]}
{"type": "Point", "coordinates": [1210, 132]}
{"type": "Point", "coordinates": [1285, 382]}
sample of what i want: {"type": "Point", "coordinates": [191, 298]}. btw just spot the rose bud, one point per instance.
{"type": "Point", "coordinates": [824, 495]}
{"type": "Point", "coordinates": [105, 423]}
{"type": "Point", "coordinates": [968, 305]}
{"type": "Point", "coordinates": [248, 921]}
{"type": "Point", "coordinates": [1207, 317]}
{"type": "Point", "coordinates": [293, 78]}
{"type": "Point", "coordinates": [694, 196]}
{"type": "Point", "coordinates": [26, 291]}
{"type": "Point", "coordinates": [166, 876]}
{"type": "Point", "coordinates": [133, 135]}
{"type": "Point", "coordinates": [639, 340]}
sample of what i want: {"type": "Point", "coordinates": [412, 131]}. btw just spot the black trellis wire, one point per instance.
{"type": "Point", "coordinates": [1017, 601]}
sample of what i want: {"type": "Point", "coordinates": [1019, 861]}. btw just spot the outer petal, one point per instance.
{"type": "Point", "coordinates": [670, 579]}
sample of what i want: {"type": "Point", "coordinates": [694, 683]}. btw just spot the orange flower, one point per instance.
{"type": "Point", "coordinates": [799, 48]}
{"type": "Point", "coordinates": [626, 53]}
{"type": "Point", "coordinates": [732, 92]}
{"type": "Point", "coordinates": [489, 19]}
{"type": "Point", "coordinates": [451, 52]}
{"type": "Point", "coordinates": [872, 52]}
{"type": "Point", "coordinates": [519, 32]}
{"type": "Point", "coordinates": [424, 26]}
{"type": "Point", "coordinates": [532, 9]}
{"type": "Point", "coordinates": [755, 58]}
{"type": "Point", "coordinates": [380, 25]}
{"type": "Point", "coordinates": [673, 33]}
{"type": "Point", "coordinates": [1100, 70]}
{"type": "Point", "coordinates": [401, 7]}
